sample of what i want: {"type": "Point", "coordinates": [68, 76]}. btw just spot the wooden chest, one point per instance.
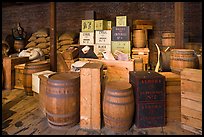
{"type": "Point", "coordinates": [191, 100]}
{"type": "Point", "coordinates": [173, 96]}
{"type": "Point", "coordinates": [149, 92]}
{"type": "Point", "coordinates": [91, 76]}
{"type": "Point", "coordinates": [19, 76]}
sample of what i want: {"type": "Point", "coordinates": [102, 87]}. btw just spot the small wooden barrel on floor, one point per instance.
{"type": "Point", "coordinates": [139, 38]}
{"type": "Point", "coordinates": [30, 68]}
{"type": "Point", "coordinates": [62, 99]}
{"type": "Point", "coordinates": [182, 58]}
{"type": "Point", "coordinates": [118, 106]}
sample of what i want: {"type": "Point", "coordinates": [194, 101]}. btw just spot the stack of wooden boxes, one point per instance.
{"type": "Point", "coordinates": [191, 100]}
{"type": "Point", "coordinates": [121, 36]}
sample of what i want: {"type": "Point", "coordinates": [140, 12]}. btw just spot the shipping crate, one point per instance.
{"type": "Point", "coordinates": [9, 70]}
{"type": "Point", "coordinates": [121, 33]}
{"type": "Point", "coordinates": [19, 76]}
{"type": "Point", "coordinates": [100, 24]}
{"type": "Point", "coordinates": [121, 21]}
{"type": "Point", "coordinates": [115, 70]}
{"type": "Point", "coordinates": [86, 38]}
{"type": "Point", "coordinates": [191, 100]}
{"type": "Point", "coordinates": [36, 80]}
{"type": "Point", "coordinates": [103, 36]}
{"type": "Point", "coordinates": [141, 53]}
{"type": "Point", "coordinates": [91, 76]}
{"type": "Point", "coordinates": [109, 25]}
{"type": "Point", "coordinates": [123, 46]}
{"type": "Point", "coordinates": [87, 26]}
{"type": "Point", "coordinates": [99, 48]}
{"type": "Point", "coordinates": [150, 98]}
{"type": "Point", "coordinates": [173, 96]}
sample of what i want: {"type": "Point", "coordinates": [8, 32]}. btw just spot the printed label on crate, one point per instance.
{"type": "Point", "coordinates": [121, 20]}
{"type": "Point", "coordinates": [103, 36]}
{"type": "Point", "coordinates": [123, 46]}
{"type": "Point", "coordinates": [100, 24]}
{"type": "Point", "coordinates": [99, 48]}
{"type": "Point", "coordinates": [121, 33]}
{"type": "Point", "coordinates": [86, 38]}
{"type": "Point", "coordinates": [150, 114]}
{"type": "Point", "coordinates": [87, 26]}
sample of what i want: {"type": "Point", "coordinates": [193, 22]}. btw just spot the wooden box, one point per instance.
{"type": "Point", "coordinates": [173, 96]}
{"type": "Point", "coordinates": [8, 69]}
{"type": "Point", "coordinates": [150, 98]}
{"type": "Point", "coordinates": [191, 100]}
{"type": "Point", "coordinates": [121, 33]}
{"type": "Point", "coordinates": [100, 24]}
{"type": "Point", "coordinates": [90, 95]}
{"type": "Point", "coordinates": [36, 80]}
{"type": "Point", "coordinates": [103, 36]}
{"type": "Point", "coordinates": [109, 25]}
{"type": "Point", "coordinates": [123, 46]}
{"type": "Point", "coordinates": [86, 38]}
{"type": "Point", "coordinates": [87, 26]}
{"type": "Point", "coordinates": [121, 21]}
{"type": "Point", "coordinates": [19, 76]}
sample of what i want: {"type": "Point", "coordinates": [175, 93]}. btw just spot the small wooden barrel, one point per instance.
{"type": "Point", "coordinates": [182, 58]}
{"type": "Point", "coordinates": [62, 104]}
{"type": "Point", "coordinates": [27, 73]}
{"type": "Point", "coordinates": [19, 45]}
{"type": "Point", "coordinates": [139, 38]}
{"type": "Point", "coordinates": [118, 106]}
{"type": "Point", "coordinates": [168, 39]}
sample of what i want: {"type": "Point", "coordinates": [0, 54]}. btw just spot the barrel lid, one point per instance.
{"type": "Point", "coordinates": [63, 76]}
{"type": "Point", "coordinates": [118, 85]}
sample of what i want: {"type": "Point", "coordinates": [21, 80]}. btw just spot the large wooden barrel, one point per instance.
{"type": "Point", "coordinates": [139, 38]}
{"type": "Point", "coordinates": [118, 106]}
{"type": "Point", "coordinates": [168, 39]}
{"type": "Point", "coordinates": [62, 104]}
{"type": "Point", "coordinates": [182, 58]}
{"type": "Point", "coordinates": [30, 68]}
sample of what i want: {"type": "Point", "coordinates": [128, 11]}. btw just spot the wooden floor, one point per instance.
{"type": "Point", "coordinates": [21, 116]}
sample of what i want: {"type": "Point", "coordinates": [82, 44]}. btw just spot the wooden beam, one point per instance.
{"type": "Point", "coordinates": [53, 47]}
{"type": "Point", "coordinates": [179, 24]}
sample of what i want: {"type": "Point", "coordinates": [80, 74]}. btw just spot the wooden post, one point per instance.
{"type": "Point", "coordinates": [179, 24]}
{"type": "Point", "coordinates": [53, 48]}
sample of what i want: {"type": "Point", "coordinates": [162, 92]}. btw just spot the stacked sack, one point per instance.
{"type": "Point", "coordinates": [66, 40]}
{"type": "Point", "coordinates": [40, 39]}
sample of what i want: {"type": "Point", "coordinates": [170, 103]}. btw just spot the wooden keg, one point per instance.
{"type": "Point", "coordinates": [182, 58]}
{"type": "Point", "coordinates": [30, 68]}
{"type": "Point", "coordinates": [139, 38]}
{"type": "Point", "coordinates": [19, 45]}
{"type": "Point", "coordinates": [62, 104]}
{"type": "Point", "coordinates": [118, 106]}
{"type": "Point", "coordinates": [168, 39]}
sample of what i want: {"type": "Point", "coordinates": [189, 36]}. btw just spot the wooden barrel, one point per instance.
{"type": "Point", "coordinates": [30, 68]}
{"type": "Point", "coordinates": [197, 47]}
{"type": "Point", "coordinates": [19, 45]}
{"type": "Point", "coordinates": [62, 104]}
{"type": "Point", "coordinates": [182, 58]}
{"type": "Point", "coordinates": [168, 39]}
{"type": "Point", "coordinates": [118, 106]}
{"type": "Point", "coordinates": [139, 38]}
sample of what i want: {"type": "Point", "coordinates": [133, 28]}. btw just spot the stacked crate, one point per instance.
{"type": "Point", "coordinates": [149, 92]}
{"type": "Point", "coordinates": [121, 36]}
{"type": "Point", "coordinates": [141, 53]}
{"type": "Point", "coordinates": [191, 100]}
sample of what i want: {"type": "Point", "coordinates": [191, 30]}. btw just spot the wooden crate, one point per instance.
{"type": "Point", "coordinates": [173, 96]}
{"type": "Point", "coordinates": [116, 70]}
{"type": "Point", "coordinates": [19, 76]}
{"type": "Point", "coordinates": [191, 100]}
{"type": "Point", "coordinates": [8, 69]}
{"type": "Point", "coordinates": [141, 53]}
{"type": "Point", "coordinates": [90, 95]}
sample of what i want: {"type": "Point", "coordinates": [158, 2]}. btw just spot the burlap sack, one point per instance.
{"type": "Point", "coordinates": [31, 44]}
{"type": "Point", "coordinates": [46, 51]}
{"type": "Point", "coordinates": [48, 39]}
{"type": "Point", "coordinates": [32, 38]}
{"type": "Point", "coordinates": [41, 33]}
{"type": "Point", "coordinates": [66, 42]}
{"type": "Point", "coordinates": [41, 40]}
{"type": "Point", "coordinates": [42, 45]}
{"type": "Point", "coordinates": [66, 36]}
